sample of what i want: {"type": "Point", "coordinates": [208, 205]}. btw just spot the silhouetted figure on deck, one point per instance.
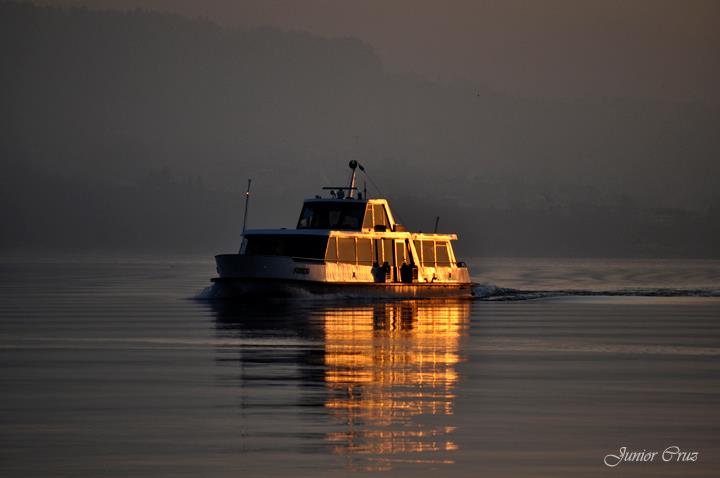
{"type": "Point", "coordinates": [406, 272]}
{"type": "Point", "coordinates": [377, 273]}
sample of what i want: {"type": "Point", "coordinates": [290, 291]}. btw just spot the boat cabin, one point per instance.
{"type": "Point", "coordinates": [358, 240]}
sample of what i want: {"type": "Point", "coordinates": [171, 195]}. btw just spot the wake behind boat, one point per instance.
{"type": "Point", "coordinates": [344, 244]}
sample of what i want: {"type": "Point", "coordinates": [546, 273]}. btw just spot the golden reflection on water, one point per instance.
{"type": "Point", "coordinates": [391, 375]}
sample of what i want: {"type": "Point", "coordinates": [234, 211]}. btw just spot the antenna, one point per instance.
{"type": "Point", "coordinates": [437, 220]}
{"type": "Point", "coordinates": [247, 200]}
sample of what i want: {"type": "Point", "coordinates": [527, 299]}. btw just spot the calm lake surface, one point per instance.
{"type": "Point", "coordinates": [112, 368]}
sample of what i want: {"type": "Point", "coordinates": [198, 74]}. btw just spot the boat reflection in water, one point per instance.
{"type": "Point", "coordinates": [385, 374]}
{"type": "Point", "coordinates": [389, 369]}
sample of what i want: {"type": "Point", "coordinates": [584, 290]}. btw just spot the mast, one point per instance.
{"type": "Point", "coordinates": [352, 188]}
{"type": "Point", "coordinates": [353, 165]}
{"type": "Point", "coordinates": [247, 200]}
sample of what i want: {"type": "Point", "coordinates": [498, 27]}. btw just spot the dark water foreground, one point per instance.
{"type": "Point", "coordinates": [111, 369]}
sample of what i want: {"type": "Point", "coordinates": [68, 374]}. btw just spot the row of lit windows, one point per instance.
{"type": "Point", "coordinates": [433, 252]}
{"type": "Point", "coordinates": [353, 250]}
{"type": "Point", "coordinates": [362, 251]}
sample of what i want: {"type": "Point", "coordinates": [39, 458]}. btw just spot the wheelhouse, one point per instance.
{"type": "Point", "coordinates": [347, 215]}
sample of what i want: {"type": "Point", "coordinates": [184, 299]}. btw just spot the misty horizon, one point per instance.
{"type": "Point", "coordinates": [138, 131]}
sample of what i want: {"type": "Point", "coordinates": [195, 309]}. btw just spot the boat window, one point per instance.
{"type": "Point", "coordinates": [401, 253]}
{"type": "Point", "coordinates": [311, 247]}
{"type": "Point", "coordinates": [418, 249]}
{"type": "Point", "coordinates": [346, 249]}
{"type": "Point", "coordinates": [428, 248]}
{"type": "Point", "coordinates": [331, 254]}
{"type": "Point", "coordinates": [442, 254]}
{"type": "Point", "coordinates": [380, 218]}
{"type": "Point", "coordinates": [388, 251]}
{"type": "Point", "coordinates": [331, 215]}
{"type": "Point", "coordinates": [364, 251]}
{"type": "Point", "coordinates": [368, 219]}
{"type": "Point", "coordinates": [377, 251]}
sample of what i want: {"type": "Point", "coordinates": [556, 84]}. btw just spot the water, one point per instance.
{"type": "Point", "coordinates": [110, 368]}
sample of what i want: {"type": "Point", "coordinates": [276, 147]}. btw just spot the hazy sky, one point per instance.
{"type": "Point", "coordinates": [662, 49]}
{"type": "Point", "coordinates": [136, 130]}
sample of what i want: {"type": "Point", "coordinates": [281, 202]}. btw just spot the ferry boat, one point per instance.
{"type": "Point", "coordinates": [345, 243]}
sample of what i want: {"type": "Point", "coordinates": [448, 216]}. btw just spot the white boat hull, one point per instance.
{"type": "Point", "coordinates": [257, 287]}
{"type": "Point", "coordinates": [279, 276]}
